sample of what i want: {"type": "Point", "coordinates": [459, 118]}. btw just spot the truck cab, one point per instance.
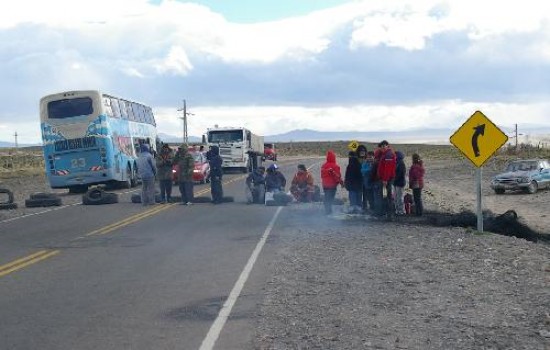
{"type": "Point", "coordinates": [270, 152]}
{"type": "Point", "coordinates": [239, 147]}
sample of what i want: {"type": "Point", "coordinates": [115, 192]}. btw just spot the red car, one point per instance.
{"type": "Point", "coordinates": [201, 173]}
{"type": "Point", "coordinates": [270, 152]}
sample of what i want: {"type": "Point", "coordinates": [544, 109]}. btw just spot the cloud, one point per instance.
{"type": "Point", "coordinates": [390, 59]}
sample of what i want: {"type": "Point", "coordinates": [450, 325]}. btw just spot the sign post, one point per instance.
{"type": "Point", "coordinates": [478, 139]}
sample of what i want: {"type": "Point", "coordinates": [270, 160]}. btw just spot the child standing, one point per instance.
{"type": "Point", "coordinates": [416, 183]}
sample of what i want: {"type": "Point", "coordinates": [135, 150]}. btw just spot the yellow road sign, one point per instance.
{"type": "Point", "coordinates": [478, 138]}
{"type": "Point", "coordinates": [353, 145]}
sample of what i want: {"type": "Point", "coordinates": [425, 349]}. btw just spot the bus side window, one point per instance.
{"type": "Point", "coordinates": [151, 116]}
{"type": "Point", "coordinates": [115, 108]}
{"type": "Point", "coordinates": [135, 111]}
{"type": "Point", "coordinates": [123, 109]}
{"type": "Point", "coordinates": [107, 106]}
{"type": "Point", "coordinates": [130, 112]}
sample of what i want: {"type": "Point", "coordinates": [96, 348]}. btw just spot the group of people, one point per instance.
{"type": "Point", "coordinates": [272, 180]}
{"type": "Point", "coordinates": [160, 166]}
{"type": "Point", "coordinates": [375, 181]}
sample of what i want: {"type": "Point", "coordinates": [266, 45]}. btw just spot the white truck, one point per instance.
{"type": "Point", "coordinates": [239, 147]}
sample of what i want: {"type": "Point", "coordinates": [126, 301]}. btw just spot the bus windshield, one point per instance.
{"type": "Point", "coordinates": [225, 136]}
{"type": "Point", "coordinates": [68, 108]}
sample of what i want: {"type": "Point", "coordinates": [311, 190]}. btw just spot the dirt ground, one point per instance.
{"type": "Point", "coordinates": [358, 283]}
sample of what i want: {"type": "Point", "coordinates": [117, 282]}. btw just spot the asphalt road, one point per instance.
{"type": "Point", "coordinates": [124, 276]}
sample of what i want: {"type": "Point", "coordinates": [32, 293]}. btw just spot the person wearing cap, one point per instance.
{"type": "Point", "coordinates": [275, 181]}
{"type": "Point", "coordinates": [147, 171]}
{"type": "Point", "coordinates": [186, 164]}
{"type": "Point", "coordinates": [255, 186]}
{"type": "Point", "coordinates": [302, 186]}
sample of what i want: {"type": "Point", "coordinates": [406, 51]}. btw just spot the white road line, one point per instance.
{"type": "Point", "coordinates": [40, 212]}
{"type": "Point", "coordinates": [216, 328]}
{"type": "Point", "coordinates": [49, 210]}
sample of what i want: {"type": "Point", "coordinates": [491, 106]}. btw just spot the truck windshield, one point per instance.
{"type": "Point", "coordinates": [225, 136]}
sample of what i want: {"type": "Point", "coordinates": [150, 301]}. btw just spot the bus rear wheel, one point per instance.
{"type": "Point", "coordinates": [78, 189]}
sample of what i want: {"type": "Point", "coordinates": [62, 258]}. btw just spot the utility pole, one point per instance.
{"type": "Point", "coordinates": [16, 145]}
{"type": "Point", "coordinates": [185, 114]}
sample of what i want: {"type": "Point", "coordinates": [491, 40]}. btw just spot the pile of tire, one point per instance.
{"type": "Point", "coordinates": [98, 196]}
{"type": "Point", "coordinates": [42, 199]}
{"type": "Point", "coordinates": [8, 202]}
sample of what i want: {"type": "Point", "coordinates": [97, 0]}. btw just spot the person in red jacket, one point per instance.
{"type": "Point", "coordinates": [386, 174]}
{"type": "Point", "coordinates": [331, 177]}
{"type": "Point", "coordinates": [416, 183]}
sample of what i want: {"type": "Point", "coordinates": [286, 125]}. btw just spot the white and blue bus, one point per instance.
{"type": "Point", "coordinates": [93, 138]}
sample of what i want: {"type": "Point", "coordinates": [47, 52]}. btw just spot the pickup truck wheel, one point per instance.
{"type": "Point", "coordinates": [533, 187]}
{"type": "Point", "coordinates": [499, 191]}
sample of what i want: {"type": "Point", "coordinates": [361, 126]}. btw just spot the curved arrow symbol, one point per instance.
{"type": "Point", "coordinates": [479, 131]}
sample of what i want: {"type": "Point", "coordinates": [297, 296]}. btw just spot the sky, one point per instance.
{"type": "Point", "coordinates": [275, 66]}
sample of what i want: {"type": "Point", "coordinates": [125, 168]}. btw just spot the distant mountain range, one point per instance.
{"type": "Point", "coordinates": [412, 136]}
{"type": "Point", "coordinates": [527, 133]}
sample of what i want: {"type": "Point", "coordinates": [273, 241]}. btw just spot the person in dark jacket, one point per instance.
{"type": "Point", "coordinates": [331, 177]}
{"type": "Point", "coordinates": [399, 183]}
{"type": "Point", "coordinates": [275, 181]}
{"type": "Point", "coordinates": [353, 181]}
{"type": "Point", "coordinates": [216, 172]}
{"type": "Point", "coordinates": [416, 183]}
{"type": "Point", "coordinates": [186, 165]}
{"type": "Point", "coordinates": [255, 186]}
{"type": "Point", "coordinates": [165, 160]}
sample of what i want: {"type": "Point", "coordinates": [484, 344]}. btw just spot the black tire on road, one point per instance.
{"type": "Point", "coordinates": [78, 189]}
{"type": "Point", "coordinates": [97, 196]}
{"type": "Point", "coordinates": [499, 190]}
{"type": "Point", "coordinates": [201, 199]}
{"type": "Point", "coordinates": [136, 198]}
{"type": "Point", "coordinates": [8, 206]}
{"type": "Point", "coordinates": [43, 195]}
{"type": "Point", "coordinates": [42, 202]}
{"type": "Point", "coordinates": [9, 194]}
{"type": "Point", "coordinates": [228, 199]}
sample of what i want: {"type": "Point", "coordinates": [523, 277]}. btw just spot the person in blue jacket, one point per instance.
{"type": "Point", "coordinates": [367, 167]}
